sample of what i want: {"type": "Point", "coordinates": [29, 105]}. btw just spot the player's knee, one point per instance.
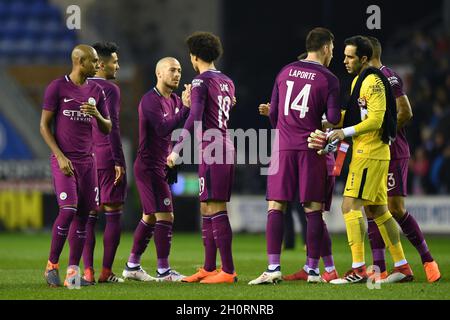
{"type": "Point", "coordinates": [397, 209]}
{"type": "Point", "coordinates": [397, 212]}
{"type": "Point", "coordinates": [165, 216]}
{"type": "Point", "coordinates": [149, 218]}
{"type": "Point", "coordinates": [277, 205]}
{"type": "Point", "coordinates": [110, 207]}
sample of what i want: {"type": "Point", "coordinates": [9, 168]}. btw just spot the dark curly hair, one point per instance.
{"type": "Point", "coordinates": [205, 45]}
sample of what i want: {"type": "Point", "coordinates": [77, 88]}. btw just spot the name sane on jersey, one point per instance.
{"type": "Point", "coordinates": [302, 74]}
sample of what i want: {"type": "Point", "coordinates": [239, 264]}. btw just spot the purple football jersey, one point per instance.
{"type": "Point", "coordinates": [108, 147]}
{"type": "Point", "coordinates": [73, 129]}
{"type": "Point", "coordinates": [212, 96]}
{"type": "Point", "coordinates": [158, 117]}
{"type": "Point", "coordinates": [400, 147]}
{"type": "Point", "coordinates": [303, 92]}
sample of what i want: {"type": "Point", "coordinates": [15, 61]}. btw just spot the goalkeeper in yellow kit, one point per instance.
{"type": "Point", "coordinates": [370, 121]}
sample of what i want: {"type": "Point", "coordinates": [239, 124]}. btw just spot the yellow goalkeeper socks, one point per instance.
{"type": "Point", "coordinates": [356, 230]}
{"type": "Point", "coordinates": [391, 236]}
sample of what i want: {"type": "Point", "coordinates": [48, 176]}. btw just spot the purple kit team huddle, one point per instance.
{"type": "Point", "coordinates": [80, 124]}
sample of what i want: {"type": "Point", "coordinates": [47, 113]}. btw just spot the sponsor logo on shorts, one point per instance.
{"type": "Point", "coordinates": [167, 201]}
{"type": "Point", "coordinates": [92, 101]}
{"type": "Point", "coordinates": [63, 196]}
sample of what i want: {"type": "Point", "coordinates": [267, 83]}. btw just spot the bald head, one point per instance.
{"type": "Point", "coordinates": [85, 60]}
{"type": "Point", "coordinates": [165, 63]}
{"type": "Point", "coordinates": [168, 73]}
{"type": "Point", "coordinates": [83, 51]}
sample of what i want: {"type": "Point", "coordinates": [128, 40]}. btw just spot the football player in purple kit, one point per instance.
{"type": "Point", "coordinates": [212, 96]}
{"type": "Point", "coordinates": [70, 103]}
{"type": "Point", "coordinates": [304, 90]}
{"type": "Point", "coordinates": [110, 170]}
{"type": "Point", "coordinates": [160, 112]}
{"type": "Point", "coordinates": [398, 173]}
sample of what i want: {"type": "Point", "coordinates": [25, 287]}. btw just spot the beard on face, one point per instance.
{"type": "Point", "coordinates": [171, 86]}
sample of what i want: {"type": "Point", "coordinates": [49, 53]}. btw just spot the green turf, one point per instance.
{"type": "Point", "coordinates": [23, 258]}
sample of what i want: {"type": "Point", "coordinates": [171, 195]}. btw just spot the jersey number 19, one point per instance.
{"type": "Point", "coordinates": [303, 95]}
{"type": "Point", "coordinates": [224, 110]}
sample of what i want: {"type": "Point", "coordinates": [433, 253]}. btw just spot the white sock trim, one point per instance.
{"type": "Point", "coordinates": [400, 263]}
{"type": "Point", "coordinates": [272, 267]}
{"type": "Point", "coordinates": [358, 264]}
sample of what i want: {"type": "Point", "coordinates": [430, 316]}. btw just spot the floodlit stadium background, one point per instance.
{"type": "Point", "coordinates": [258, 38]}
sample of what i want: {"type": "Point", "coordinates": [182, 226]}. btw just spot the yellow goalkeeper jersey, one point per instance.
{"type": "Point", "coordinates": [367, 141]}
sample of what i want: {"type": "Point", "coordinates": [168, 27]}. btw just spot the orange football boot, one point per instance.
{"type": "Point", "coordinates": [221, 277]}
{"type": "Point", "coordinates": [432, 271]}
{"type": "Point", "coordinates": [199, 275]}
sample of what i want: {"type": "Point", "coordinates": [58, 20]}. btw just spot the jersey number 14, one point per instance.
{"type": "Point", "coordinates": [303, 96]}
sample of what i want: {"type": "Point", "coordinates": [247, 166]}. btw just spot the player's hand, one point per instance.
{"type": "Point", "coordinates": [264, 109]}
{"type": "Point", "coordinates": [65, 165]}
{"type": "Point", "coordinates": [317, 140]}
{"type": "Point", "coordinates": [186, 95]}
{"type": "Point", "coordinates": [120, 173]}
{"type": "Point", "coordinates": [172, 159]}
{"type": "Point", "coordinates": [90, 109]}
{"type": "Point", "coordinates": [234, 101]}
{"type": "Point", "coordinates": [336, 134]}
{"type": "Point", "coordinates": [326, 125]}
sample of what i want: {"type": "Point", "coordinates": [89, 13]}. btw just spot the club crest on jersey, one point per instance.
{"type": "Point", "coordinates": [167, 201]}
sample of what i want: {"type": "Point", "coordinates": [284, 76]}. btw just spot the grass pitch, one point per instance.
{"type": "Point", "coordinates": [23, 257]}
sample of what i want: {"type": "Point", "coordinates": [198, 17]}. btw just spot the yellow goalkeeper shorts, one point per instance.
{"type": "Point", "coordinates": [367, 180]}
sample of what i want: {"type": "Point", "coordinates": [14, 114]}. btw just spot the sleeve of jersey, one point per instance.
{"type": "Point", "coordinates": [273, 111]}
{"type": "Point", "coordinates": [113, 103]}
{"type": "Point", "coordinates": [183, 111]}
{"type": "Point", "coordinates": [199, 94]}
{"type": "Point", "coordinates": [397, 87]}
{"type": "Point", "coordinates": [333, 105]}
{"type": "Point", "coordinates": [373, 89]}
{"type": "Point", "coordinates": [51, 97]}
{"type": "Point", "coordinates": [102, 105]}
{"type": "Point", "coordinates": [163, 125]}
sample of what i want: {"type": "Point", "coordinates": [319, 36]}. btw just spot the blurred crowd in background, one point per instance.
{"type": "Point", "coordinates": [429, 131]}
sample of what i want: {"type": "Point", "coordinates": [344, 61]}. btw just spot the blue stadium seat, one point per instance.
{"type": "Point", "coordinates": [33, 31]}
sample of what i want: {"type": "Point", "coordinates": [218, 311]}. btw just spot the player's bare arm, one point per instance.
{"type": "Point", "coordinates": [404, 111]}
{"type": "Point", "coordinates": [104, 124]}
{"type": "Point", "coordinates": [65, 165]}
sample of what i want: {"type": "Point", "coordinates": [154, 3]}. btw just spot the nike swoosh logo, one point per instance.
{"type": "Point", "coordinates": [67, 100]}
{"type": "Point", "coordinates": [348, 189]}
{"type": "Point", "coordinates": [165, 115]}
{"type": "Point", "coordinates": [389, 189]}
{"type": "Point", "coordinates": [63, 229]}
